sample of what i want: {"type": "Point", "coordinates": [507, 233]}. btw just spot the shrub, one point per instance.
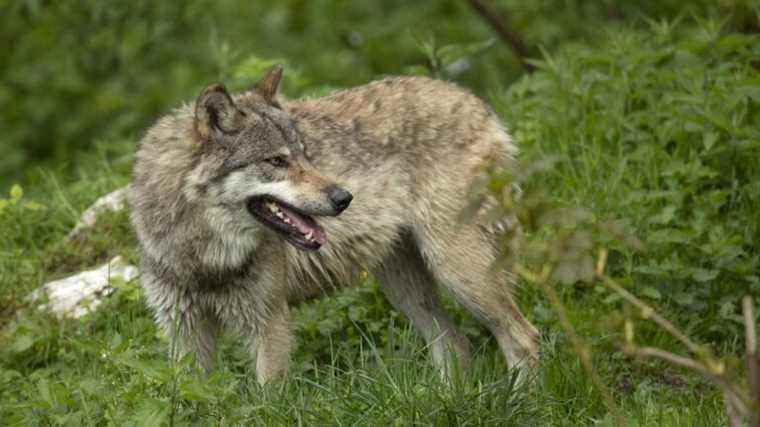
{"type": "Point", "coordinates": [659, 129]}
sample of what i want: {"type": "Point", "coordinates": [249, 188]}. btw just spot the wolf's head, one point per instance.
{"type": "Point", "coordinates": [252, 168]}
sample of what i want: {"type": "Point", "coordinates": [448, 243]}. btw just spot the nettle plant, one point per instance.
{"type": "Point", "coordinates": [568, 246]}
{"type": "Point", "coordinates": [656, 135]}
{"type": "Point", "coordinates": [660, 128]}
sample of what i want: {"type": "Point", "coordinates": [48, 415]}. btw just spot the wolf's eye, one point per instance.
{"type": "Point", "coordinates": [277, 161]}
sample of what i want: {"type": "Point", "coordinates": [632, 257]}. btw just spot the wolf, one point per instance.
{"type": "Point", "coordinates": [247, 205]}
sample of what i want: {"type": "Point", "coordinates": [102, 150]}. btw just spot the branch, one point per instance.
{"type": "Point", "coordinates": [499, 24]}
{"type": "Point", "coordinates": [738, 405]}
{"type": "Point", "coordinates": [649, 312]}
{"type": "Point", "coordinates": [733, 396]}
{"type": "Point", "coordinates": [582, 350]}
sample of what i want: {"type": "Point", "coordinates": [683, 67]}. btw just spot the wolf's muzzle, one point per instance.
{"type": "Point", "coordinates": [339, 198]}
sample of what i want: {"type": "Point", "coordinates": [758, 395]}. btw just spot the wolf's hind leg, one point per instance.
{"type": "Point", "coordinates": [411, 289]}
{"type": "Point", "coordinates": [460, 257]}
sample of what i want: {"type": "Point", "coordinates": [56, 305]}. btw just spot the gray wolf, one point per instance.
{"type": "Point", "coordinates": [247, 205]}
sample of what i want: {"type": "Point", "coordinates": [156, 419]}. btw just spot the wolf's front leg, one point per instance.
{"type": "Point", "coordinates": [200, 335]}
{"type": "Point", "coordinates": [190, 325]}
{"type": "Point", "coordinates": [272, 346]}
{"type": "Point", "coordinates": [191, 330]}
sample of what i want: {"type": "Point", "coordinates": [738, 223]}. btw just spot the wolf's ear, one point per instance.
{"type": "Point", "coordinates": [269, 85]}
{"type": "Point", "coordinates": [215, 111]}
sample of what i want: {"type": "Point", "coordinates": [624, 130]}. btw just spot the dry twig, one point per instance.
{"type": "Point", "coordinates": [739, 405]}
{"type": "Point", "coordinates": [581, 349]}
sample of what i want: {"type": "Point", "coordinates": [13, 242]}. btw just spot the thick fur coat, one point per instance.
{"type": "Point", "coordinates": [373, 178]}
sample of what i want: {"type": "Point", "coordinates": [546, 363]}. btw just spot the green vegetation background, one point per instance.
{"type": "Point", "coordinates": [651, 110]}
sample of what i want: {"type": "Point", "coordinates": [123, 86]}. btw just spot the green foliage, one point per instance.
{"type": "Point", "coordinates": [84, 71]}
{"type": "Point", "coordinates": [112, 367]}
{"type": "Point", "coordinates": [659, 130]}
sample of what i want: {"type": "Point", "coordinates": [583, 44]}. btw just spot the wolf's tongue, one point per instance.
{"type": "Point", "coordinates": [305, 225]}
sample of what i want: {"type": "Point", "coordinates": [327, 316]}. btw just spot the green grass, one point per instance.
{"type": "Point", "coordinates": [113, 368]}
{"type": "Point", "coordinates": [357, 361]}
{"type": "Point", "coordinates": [654, 125]}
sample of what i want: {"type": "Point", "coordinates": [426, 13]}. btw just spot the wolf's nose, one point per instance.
{"type": "Point", "coordinates": [339, 197]}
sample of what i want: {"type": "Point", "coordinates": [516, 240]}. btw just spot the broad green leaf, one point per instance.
{"type": "Point", "coordinates": [709, 139]}
{"type": "Point", "coordinates": [651, 292]}
{"type": "Point", "coordinates": [665, 216]}
{"type": "Point", "coordinates": [21, 343]}
{"type": "Point", "coordinates": [684, 298]}
{"type": "Point", "coordinates": [704, 275]}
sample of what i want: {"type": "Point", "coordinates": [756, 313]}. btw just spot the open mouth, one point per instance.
{"type": "Point", "coordinates": [299, 229]}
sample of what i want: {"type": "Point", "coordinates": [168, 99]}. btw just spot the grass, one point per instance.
{"type": "Point", "coordinates": [358, 362]}
{"type": "Point", "coordinates": [113, 368]}
{"type": "Point", "coordinates": [654, 128]}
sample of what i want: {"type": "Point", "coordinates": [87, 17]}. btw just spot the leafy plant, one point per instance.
{"type": "Point", "coordinates": [660, 133]}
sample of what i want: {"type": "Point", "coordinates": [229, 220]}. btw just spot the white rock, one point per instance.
{"type": "Point", "coordinates": [77, 295]}
{"type": "Point", "coordinates": [113, 201]}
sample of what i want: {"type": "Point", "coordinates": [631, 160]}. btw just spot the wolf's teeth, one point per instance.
{"type": "Point", "coordinates": [286, 220]}
{"type": "Point", "coordinates": [308, 235]}
{"type": "Point", "coordinates": [272, 207]}
{"type": "Point", "coordinates": [280, 215]}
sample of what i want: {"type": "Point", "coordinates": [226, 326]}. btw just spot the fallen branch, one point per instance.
{"type": "Point", "coordinates": [499, 24]}
{"type": "Point", "coordinates": [82, 293]}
